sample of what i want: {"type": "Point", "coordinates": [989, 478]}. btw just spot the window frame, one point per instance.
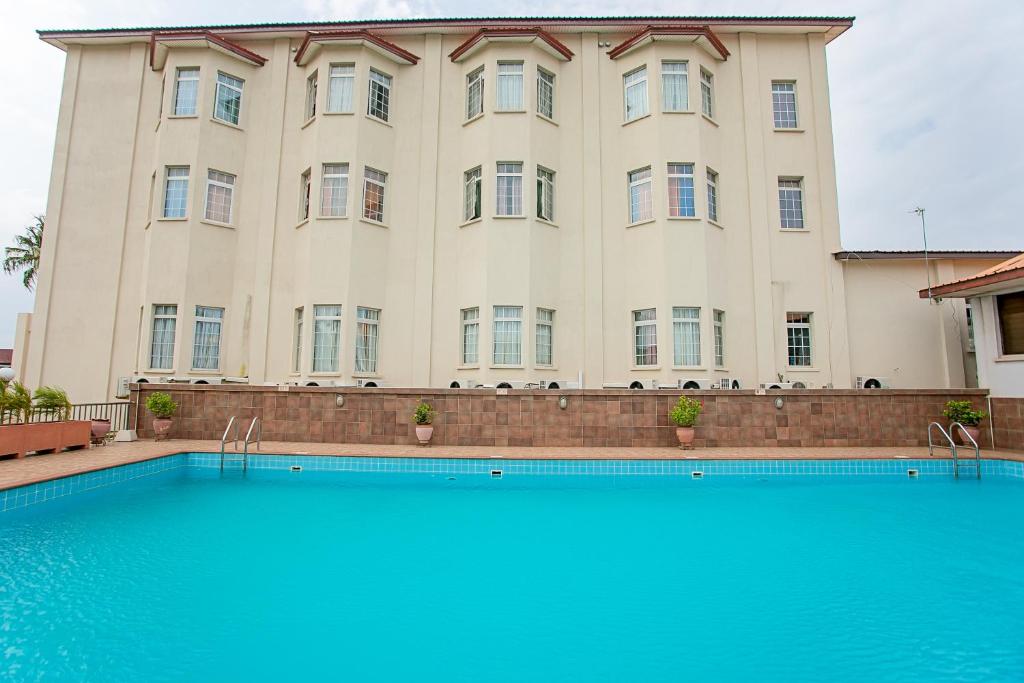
{"type": "Point", "coordinates": [240, 89]}
{"type": "Point", "coordinates": [297, 331]}
{"type": "Point", "coordinates": [173, 317]}
{"type": "Point", "coordinates": [382, 184]}
{"type": "Point", "coordinates": [798, 187]}
{"type": "Point", "coordinates": [473, 188]}
{"type": "Point", "coordinates": [333, 81]}
{"type": "Point", "coordinates": [636, 184]}
{"type": "Point", "coordinates": [685, 74]}
{"type": "Point", "coordinates": [178, 80]}
{"type": "Point", "coordinates": [641, 82]}
{"type": "Point", "coordinates": [713, 197]}
{"type": "Point", "coordinates": [638, 324]}
{"type": "Point", "coordinates": [305, 188]}
{"type": "Point", "coordinates": [1002, 352]}
{"type": "Point", "coordinates": [367, 338]}
{"type": "Point", "coordinates": [218, 183]}
{"type": "Point", "coordinates": [718, 328]}
{"type": "Point", "coordinates": [465, 324]}
{"type": "Point", "coordinates": [682, 319]}
{"type": "Point", "coordinates": [475, 78]}
{"type": "Point", "coordinates": [707, 93]}
{"type": "Point", "coordinates": [517, 321]}
{"type": "Point", "coordinates": [545, 80]}
{"type": "Point", "coordinates": [212, 320]}
{"type": "Point", "coordinates": [311, 95]}
{"type": "Point", "coordinates": [792, 326]}
{"type": "Point", "coordinates": [384, 83]}
{"type": "Point", "coordinates": [520, 97]}
{"type": "Point", "coordinates": [545, 194]}
{"type": "Point", "coordinates": [682, 177]}
{"type": "Point", "coordinates": [549, 323]}
{"type": "Point", "coordinates": [167, 183]}
{"type": "Point", "coordinates": [508, 176]}
{"type": "Point", "coordinates": [319, 316]}
{"type": "Point", "coordinates": [783, 112]}
{"type": "Point", "coordinates": [343, 186]}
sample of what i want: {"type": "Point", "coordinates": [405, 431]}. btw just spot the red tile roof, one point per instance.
{"type": "Point", "coordinates": [6, 356]}
{"type": "Point", "coordinates": [1007, 271]}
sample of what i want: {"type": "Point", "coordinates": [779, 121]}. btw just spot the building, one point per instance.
{"type": "Point", "coordinates": [6, 356]}
{"type": "Point", "coordinates": [605, 201]}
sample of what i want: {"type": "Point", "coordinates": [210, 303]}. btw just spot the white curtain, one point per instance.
{"type": "Point", "coordinates": [206, 344]}
{"type": "Point", "coordinates": [686, 327]}
{"type": "Point", "coordinates": [326, 338]}
{"type": "Point", "coordinates": [510, 87]}
{"type": "Point", "coordinates": [339, 90]}
{"type": "Point", "coordinates": [507, 335]}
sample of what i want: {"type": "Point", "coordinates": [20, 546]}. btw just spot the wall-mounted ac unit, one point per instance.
{"type": "Point", "coordinates": [728, 383]}
{"type": "Point", "coordinates": [559, 384]}
{"type": "Point", "coordinates": [206, 380]}
{"type": "Point", "coordinates": [872, 382]}
{"type": "Point", "coordinates": [367, 383]}
{"type": "Point", "coordinates": [693, 383]}
{"type": "Point", "coordinates": [505, 384]}
{"type": "Point", "coordinates": [141, 379]}
{"type": "Point", "coordinates": [322, 383]}
{"type": "Point", "coordinates": [783, 385]}
{"type": "Point", "coordinates": [123, 389]}
{"type": "Point", "coordinates": [463, 383]}
{"type": "Point", "coordinates": [615, 385]}
{"type": "Point", "coordinates": [644, 384]}
{"type": "Point", "coordinates": [236, 380]}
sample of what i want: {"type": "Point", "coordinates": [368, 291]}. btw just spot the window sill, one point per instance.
{"type": "Point", "coordinates": [301, 223]}
{"type": "Point", "coordinates": [509, 217]}
{"type": "Point", "coordinates": [1011, 358]}
{"type": "Point", "coordinates": [295, 374]}
{"type": "Point", "coordinates": [161, 372]}
{"type": "Point", "coordinates": [366, 375]}
{"type": "Point", "coordinates": [716, 224]}
{"type": "Point", "coordinates": [370, 221]}
{"type": "Point", "coordinates": [640, 368]}
{"type": "Point", "coordinates": [182, 116]}
{"type": "Point", "coordinates": [507, 367]}
{"type": "Point", "coordinates": [801, 368]}
{"type": "Point", "coordinates": [476, 117]}
{"type": "Point", "coordinates": [332, 218]}
{"type": "Point", "coordinates": [226, 124]}
{"type": "Point", "coordinates": [789, 130]}
{"type": "Point", "coordinates": [308, 121]}
{"type": "Point", "coordinates": [794, 230]}
{"type": "Point", "coordinates": [721, 369]}
{"type": "Point", "coordinates": [204, 372]}
{"type": "Point", "coordinates": [380, 121]}
{"type": "Point", "coordinates": [689, 368]}
{"type": "Point", "coordinates": [509, 111]}
{"type": "Point", "coordinates": [468, 367]}
{"type": "Point", "coordinates": [324, 374]}
{"type": "Point", "coordinates": [709, 120]}
{"type": "Point", "coordinates": [550, 120]}
{"type": "Point", "coordinates": [339, 113]}
{"type": "Point", "coordinates": [218, 224]}
{"type": "Point", "coordinates": [172, 219]}
{"type": "Point", "coordinates": [684, 218]}
{"type": "Point", "coordinates": [638, 118]}
{"type": "Point", "coordinates": [553, 368]}
{"type": "Point", "coordinates": [643, 222]}
{"type": "Point", "coordinates": [471, 221]}
{"type": "Point", "coordinates": [545, 221]}
{"type": "Point", "coordinates": [681, 111]}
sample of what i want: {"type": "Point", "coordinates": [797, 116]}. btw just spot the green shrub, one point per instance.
{"type": "Point", "coordinates": [53, 400]}
{"type": "Point", "coordinates": [964, 413]}
{"type": "Point", "coordinates": [424, 414]}
{"type": "Point", "coordinates": [16, 402]}
{"type": "Point", "coordinates": [685, 412]}
{"type": "Point", "coordinates": [161, 405]}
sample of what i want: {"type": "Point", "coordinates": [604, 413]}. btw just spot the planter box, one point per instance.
{"type": "Point", "coordinates": [20, 439]}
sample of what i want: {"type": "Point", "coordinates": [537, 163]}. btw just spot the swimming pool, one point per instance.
{"type": "Point", "coordinates": [176, 572]}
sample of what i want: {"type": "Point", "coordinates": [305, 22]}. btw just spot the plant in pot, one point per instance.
{"type": "Point", "coordinates": [423, 417]}
{"type": "Point", "coordinates": [15, 403]}
{"type": "Point", "coordinates": [163, 408]}
{"type": "Point", "coordinates": [964, 413]}
{"type": "Point", "coordinates": [52, 400]}
{"type": "Point", "coordinates": [684, 415]}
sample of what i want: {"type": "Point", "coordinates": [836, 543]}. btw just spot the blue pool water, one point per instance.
{"type": "Point", "coordinates": [188, 575]}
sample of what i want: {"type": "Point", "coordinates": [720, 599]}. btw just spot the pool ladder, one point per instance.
{"type": "Point", "coordinates": [951, 447]}
{"type": "Point", "coordinates": [254, 427]}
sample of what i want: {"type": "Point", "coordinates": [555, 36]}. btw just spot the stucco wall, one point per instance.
{"type": "Point", "coordinates": [1003, 375]}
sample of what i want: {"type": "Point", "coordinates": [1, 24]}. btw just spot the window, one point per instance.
{"type": "Point", "coordinates": [475, 93]}
{"type": "Point", "coordinates": [186, 91]}
{"type": "Point", "coordinates": [176, 192]}
{"type": "Point", "coordinates": [206, 342]}
{"type": "Point", "coordinates": [635, 84]}
{"type": "Point", "coordinates": [339, 88]}
{"type": "Point", "coordinates": [719, 339]}
{"type": "Point", "coordinates": [1010, 309]}
{"type": "Point", "coordinates": [686, 335]}
{"type": "Point", "coordinates": [784, 104]}
{"type": "Point", "coordinates": [300, 315]}
{"type": "Point", "coordinates": [220, 188]}
{"type": "Point", "coordinates": [545, 93]}
{"type": "Point", "coordinates": [969, 313]}
{"type": "Point", "coordinates": [645, 337]}
{"type": "Point", "coordinates": [545, 194]}
{"type": "Point", "coordinates": [470, 336]}
{"type": "Point", "coordinates": [311, 96]}
{"type": "Point", "coordinates": [367, 335]}
{"type": "Point", "coordinates": [680, 190]}
{"type": "Point", "coordinates": [161, 342]}
{"type": "Point", "coordinates": [228, 103]}
{"type": "Point", "coordinates": [641, 202]}
{"type": "Point", "coordinates": [508, 333]}
{"type": "Point", "coordinates": [798, 337]}
{"type": "Point", "coordinates": [304, 196]}
{"type": "Point", "coordinates": [510, 86]}
{"type": "Point", "coordinates": [707, 93]}
{"type": "Point", "coordinates": [712, 195]}
{"type": "Point", "coordinates": [473, 198]}
{"type": "Point", "coordinates": [334, 190]}
{"type": "Point", "coordinates": [545, 335]}
{"type": "Point", "coordinates": [791, 203]}
{"type": "Point", "coordinates": [326, 338]}
{"type": "Point", "coordinates": [674, 86]}
{"type": "Point", "coordinates": [373, 194]}
{"type": "Point", "coordinates": [379, 103]}
{"type": "Point", "coordinates": [510, 189]}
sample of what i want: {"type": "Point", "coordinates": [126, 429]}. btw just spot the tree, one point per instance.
{"type": "Point", "coordinates": [24, 255]}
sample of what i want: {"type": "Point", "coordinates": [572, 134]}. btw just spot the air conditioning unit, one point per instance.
{"type": "Point", "coordinates": [141, 379]}
{"type": "Point", "coordinates": [559, 384]}
{"type": "Point", "coordinates": [786, 385]}
{"type": "Point", "coordinates": [693, 383]}
{"type": "Point", "coordinates": [367, 383]}
{"type": "Point", "coordinates": [206, 380]}
{"type": "Point", "coordinates": [872, 382]}
{"type": "Point", "coordinates": [322, 383]}
{"type": "Point", "coordinates": [615, 385]}
{"type": "Point", "coordinates": [123, 390]}
{"type": "Point", "coordinates": [644, 384]}
{"type": "Point", "coordinates": [236, 380]}
{"type": "Point", "coordinates": [728, 383]}
{"type": "Point", "coordinates": [461, 383]}
{"type": "Point", "coordinates": [510, 385]}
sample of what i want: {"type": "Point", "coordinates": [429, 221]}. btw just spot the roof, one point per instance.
{"type": "Point", "coordinates": [6, 356]}
{"type": "Point", "coordinates": [919, 254]}
{"type": "Point", "coordinates": [995, 277]}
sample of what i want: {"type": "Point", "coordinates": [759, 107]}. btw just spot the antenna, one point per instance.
{"type": "Point", "coordinates": [924, 232]}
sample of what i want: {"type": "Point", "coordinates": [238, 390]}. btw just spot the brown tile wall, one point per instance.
{"type": "Point", "coordinates": [1008, 422]}
{"type": "Point", "coordinates": [593, 417]}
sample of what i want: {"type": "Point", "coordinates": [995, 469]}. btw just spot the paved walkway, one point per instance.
{"type": "Point", "coordinates": [45, 467]}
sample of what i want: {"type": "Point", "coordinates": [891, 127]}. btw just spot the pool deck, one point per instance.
{"type": "Point", "coordinates": [37, 468]}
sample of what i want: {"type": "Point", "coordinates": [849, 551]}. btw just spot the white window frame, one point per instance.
{"type": "Point", "coordinates": [636, 182]}
{"type": "Point", "coordinates": [637, 78]}
{"type": "Point", "coordinates": [713, 198]}
{"type": "Point", "coordinates": [381, 183]}
{"type": "Point", "coordinates": [718, 321]}
{"type": "Point", "coordinates": [305, 188]}
{"type": "Point", "coordinates": [383, 82]}
{"type": "Point", "coordinates": [367, 340]}
{"type": "Point", "coordinates": [684, 75]}
{"type": "Point", "coordinates": [545, 93]}
{"type": "Point", "coordinates": [168, 179]}
{"type": "Point", "coordinates": [510, 79]}
{"type": "Point", "coordinates": [792, 190]}
{"type": "Point", "coordinates": [506, 180]}
{"type": "Point", "coordinates": [781, 114]}
{"type": "Point", "coordinates": [338, 74]}
{"type": "Point", "coordinates": [680, 173]}
{"type": "Point", "coordinates": [320, 314]}
{"type": "Point", "coordinates": [707, 93]}
{"type": "Point", "coordinates": [299, 323]}
{"type": "Point", "coordinates": [229, 86]}
{"type": "Point", "coordinates": [311, 88]}
{"type": "Point", "coordinates": [545, 194]}
{"type": "Point", "coordinates": [511, 316]}
{"type": "Point", "coordinates": [545, 323]}
{"type": "Point", "coordinates": [475, 93]}
{"type": "Point", "coordinates": [172, 316]}
{"type": "Point", "coordinates": [229, 186]}
{"type": "Point", "coordinates": [178, 80]}
{"type": "Point", "coordinates": [469, 353]}
{"type": "Point", "coordinates": [200, 346]}
{"type": "Point", "coordinates": [337, 182]}
{"type": "Point", "coordinates": [686, 319]}
{"type": "Point", "coordinates": [793, 325]}
{"type": "Point", "coordinates": [640, 323]}
{"type": "Point", "coordinates": [473, 194]}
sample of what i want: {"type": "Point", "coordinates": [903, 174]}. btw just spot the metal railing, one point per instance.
{"type": "Point", "coordinates": [118, 412]}
{"type": "Point", "coordinates": [954, 428]}
{"type": "Point", "coordinates": [224, 439]}
{"type": "Point", "coordinates": [952, 446]}
{"type": "Point", "coordinates": [258, 426]}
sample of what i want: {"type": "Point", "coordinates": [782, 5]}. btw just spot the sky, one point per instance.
{"type": "Point", "coordinates": [927, 103]}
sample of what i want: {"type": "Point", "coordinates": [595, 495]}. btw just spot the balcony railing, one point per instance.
{"type": "Point", "coordinates": [118, 412]}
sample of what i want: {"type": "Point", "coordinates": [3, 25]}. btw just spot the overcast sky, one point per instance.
{"type": "Point", "coordinates": [927, 103]}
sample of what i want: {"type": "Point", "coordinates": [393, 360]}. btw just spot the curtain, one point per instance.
{"type": "Point", "coordinates": [686, 324]}
{"type": "Point", "coordinates": [510, 87]}
{"type": "Point", "coordinates": [206, 345]}
{"type": "Point", "coordinates": [507, 335]}
{"type": "Point", "coordinates": [326, 338]}
{"type": "Point", "coordinates": [339, 90]}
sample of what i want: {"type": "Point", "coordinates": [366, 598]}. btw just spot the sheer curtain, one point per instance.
{"type": "Point", "coordinates": [326, 338]}
{"type": "Point", "coordinates": [674, 86]}
{"type": "Point", "coordinates": [366, 339]}
{"type": "Point", "coordinates": [206, 345]}
{"type": "Point", "coordinates": [339, 88]}
{"type": "Point", "coordinates": [161, 354]}
{"type": "Point", "coordinates": [686, 324]}
{"type": "Point", "coordinates": [508, 324]}
{"type": "Point", "coordinates": [510, 86]}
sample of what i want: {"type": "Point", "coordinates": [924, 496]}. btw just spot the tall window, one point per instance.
{"type": "Point", "coordinates": [545, 93]}
{"type": "Point", "coordinates": [674, 86]}
{"type": "Point", "coordinates": [311, 95]}
{"type": "Point", "coordinates": [545, 194]}
{"type": "Point", "coordinates": [220, 190]}
{"type": "Point", "coordinates": [373, 194]}
{"type": "Point", "coordinates": [791, 203]}
{"type": "Point", "coordinates": [326, 338]}
{"type": "Point", "coordinates": [161, 341]}
{"type": "Point", "coordinates": [510, 189]}
{"type": "Point", "coordinates": [635, 85]}
{"type": "Point", "coordinates": [1010, 310]}
{"type": "Point", "coordinates": [186, 91]}
{"type": "Point", "coordinates": [707, 93]}
{"type": "Point", "coordinates": [510, 86]}
{"type": "Point", "coordinates": [680, 190]}
{"type": "Point", "coordinates": [472, 197]}
{"type": "Point", "coordinates": [798, 338]}
{"type": "Point", "coordinates": [470, 336]}
{"type": "Point", "coordinates": [712, 195]}
{"type": "Point", "coordinates": [686, 335]}
{"type": "Point", "coordinates": [300, 315]}
{"type": "Point", "coordinates": [206, 342]}
{"type": "Point", "coordinates": [784, 104]}
{"type": "Point", "coordinates": [339, 88]}
{"type": "Point", "coordinates": [176, 192]}
{"type": "Point", "coordinates": [641, 201]}
{"type": "Point", "coordinates": [545, 335]}
{"type": "Point", "coordinates": [645, 337]}
{"type": "Point", "coordinates": [367, 335]}
{"type": "Point", "coordinates": [379, 103]}
{"type": "Point", "coordinates": [508, 335]}
{"type": "Point", "coordinates": [334, 190]}
{"type": "Point", "coordinates": [475, 93]}
{"type": "Point", "coordinates": [304, 183]}
{"type": "Point", "coordinates": [719, 339]}
{"type": "Point", "coordinates": [228, 102]}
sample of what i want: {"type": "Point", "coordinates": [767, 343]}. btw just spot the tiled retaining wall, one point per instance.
{"type": "Point", "coordinates": [533, 418]}
{"type": "Point", "coordinates": [1008, 422]}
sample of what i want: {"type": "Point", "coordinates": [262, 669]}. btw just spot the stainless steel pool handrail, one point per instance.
{"type": "Point", "coordinates": [951, 447]}
{"type": "Point", "coordinates": [224, 439]}
{"type": "Point", "coordinates": [258, 426]}
{"type": "Point", "coordinates": [977, 451]}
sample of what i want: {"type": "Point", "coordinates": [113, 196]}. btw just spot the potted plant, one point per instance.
{"type": "Point", "coordinates": [684, 415]}
{"type": "Point", "coordinates": [52, 400]}
{"type": "Point", "coordinates": [163, 408]}
{"type": "Point", "coordinates": [964, 413]}
{"type": "Point", "coordinates": [17, 403]}
{"type": "Point", "coordinates": [423, 417]}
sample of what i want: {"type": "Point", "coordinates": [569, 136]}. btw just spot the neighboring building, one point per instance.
{"type": "Point", "coordinates": [996, 300]}
{"type": "Point", "coordinates": [6, 357]}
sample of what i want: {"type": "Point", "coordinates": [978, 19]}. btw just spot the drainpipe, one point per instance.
{"type": "Point", "coordinates": [991, 422]}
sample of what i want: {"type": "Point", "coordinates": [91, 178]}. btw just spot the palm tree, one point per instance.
{"type": "Point", "coordinates": [24, 255]}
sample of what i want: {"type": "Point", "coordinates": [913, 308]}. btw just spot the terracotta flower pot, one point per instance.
{"type": "Point", "coordinates": [975, 433]}
{"type": "Point", "coordinates": [423, 433]}
{"type": "Point", "coordinates": [161, 427]}
{"type": "Point", "coordinates": [100, 428]}
{"type": "Point", "coordinates": [685, 436]}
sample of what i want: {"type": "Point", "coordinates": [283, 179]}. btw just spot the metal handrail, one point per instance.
{"type": "Point", "coordinates": [224, 439]}
{"type": "Point", "coordinates": [258, 426]}
{"type": "Point", "coordinates": [951, 446]}
{"type": "Point", "coordinates": [977, 451]}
